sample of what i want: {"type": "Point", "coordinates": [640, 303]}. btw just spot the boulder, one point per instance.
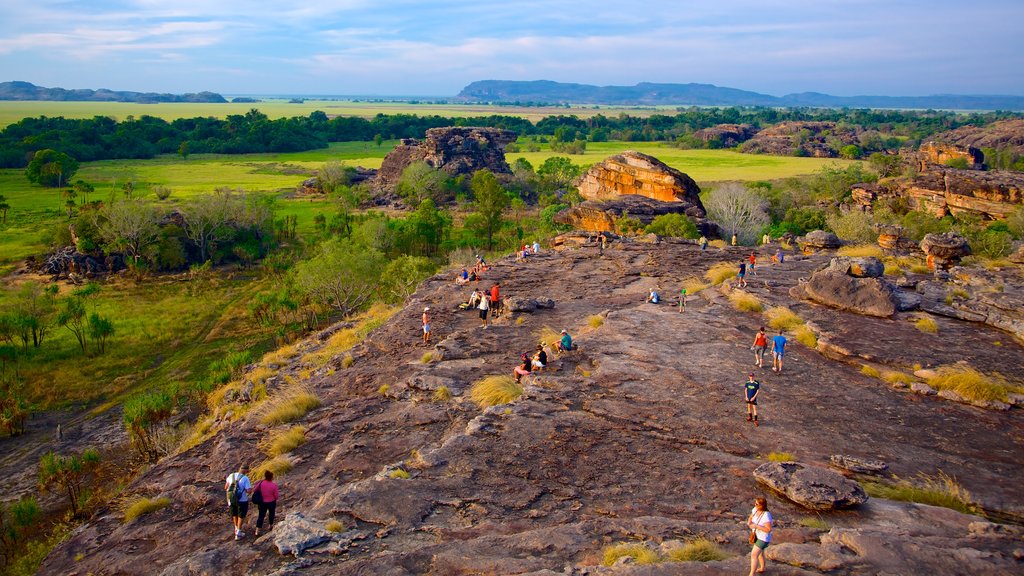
{"type": "Point", "coordinates": [519, 304]}
{"type": "Point", "coordinates": [819, 240]}
{"type": "Point", "coordinates": [945, 250]}
{"type": "Point", "coordinates": [455, 150]}
{"type": "Point", "coordinates": [296, 533]}
{"type": "Point", "coordinates": [811, 487]}
{"type": "Point", "coordinates": [858, 465]}
{"type": "Point", "coordinates": [868, 296]}
{"type": "Point", "coordinates": [635, 173]}
{"type": "Point", "coordinates": [601, 215]}
{"type": "Point", "coordinates": [858, 267]}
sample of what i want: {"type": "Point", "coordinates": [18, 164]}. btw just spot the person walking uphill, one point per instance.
{"type": "Point", "coordinates": [760, 524]}
{"type": "Point", "coordinates": [237, 487]}
{"type": "Point", "coordinates": [778, 351]}
{"type": "Point", "coordinates": [760, 345]}
{"type": "Point", "coordinates": [265, 495]}
{"type": "Point", "coordinates": [751, 390]}
{"type": "Point", "coordinates": [426, 325]}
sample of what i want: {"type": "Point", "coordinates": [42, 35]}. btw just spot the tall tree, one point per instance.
{"type": "Point", "coordinates": [129, 226]}
{"type": "Point", "coordinates": [738, 210]}
{"type": "Point", "coordinates": [343, 276]}
{"type": "Point", "coordinates": [491, 202]}
{"type": "Point", "coordinates": [51, 168]}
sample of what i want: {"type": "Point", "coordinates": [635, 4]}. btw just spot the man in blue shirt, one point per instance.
{"type": "Point", "coordinates": [778, 351]}
{"type": "Point", "coordinates": [750, 392]}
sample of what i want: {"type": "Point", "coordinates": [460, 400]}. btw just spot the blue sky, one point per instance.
{"type": "Point", "coordinates": [406, 47]}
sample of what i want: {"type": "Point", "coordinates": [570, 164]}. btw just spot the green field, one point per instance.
{"type": "Point", "coordinates": [13, 111]}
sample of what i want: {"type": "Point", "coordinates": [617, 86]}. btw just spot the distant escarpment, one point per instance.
{"type": "Point", "coordinates": [455, 150]}
{"type": "Point", "coordinates": [29, 91]}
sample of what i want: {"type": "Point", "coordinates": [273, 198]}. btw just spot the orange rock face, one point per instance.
{"type": "Point", "coordinates": [940, 153]}
{"type": "Point", "coordinates": [635, 173]}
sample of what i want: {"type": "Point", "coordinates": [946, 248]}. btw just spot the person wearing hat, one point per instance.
{"type": "Point", "coordinates": [238, 487]}
{"type": "Point", "coordinates": [750, 392]}
{"type": "Point", "coordinates": [426, 325]}
{"type": "Point", "coordinates": [565, 344]}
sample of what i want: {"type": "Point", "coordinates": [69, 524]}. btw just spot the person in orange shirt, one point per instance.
{"type": "Point", "coordinates": [760, 345]}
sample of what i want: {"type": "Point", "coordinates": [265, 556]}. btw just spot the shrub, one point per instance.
{"type": "Point", "coordinates": [780, 457]}
{"type": "Point", "coordinates": [861, 250]}
{"type": "Point", "coordinates": [721, 272]}
{"type": "Point", "coordinates": [399, 474]}
{"type": "Point", "coordinates": [870, 371]}
{"type": "Point", "coordinates": [745, 302]}
{"type": "Point", "coordinates": [806, 336]}
{"type": "Point", "coordinates": [442, 394]}
{"type": "Point", "coordinates": [941, 490]}
{"type": "Point", "coordinates": [290, 406]}
{"type": "Point", "coordinates": [595, 321]}
{"type": "Point", "coordinates": [677, 225]}
{"type": "Point", "coordinates": [927, 324]}
{"type": "Point", "coordinates": [286, 441]}
{"type": "Point", "coordinates": [641, 553]}
{"type": "Point", "coordinates": [853, 226]}
{"type": "Point", "coordinates": [971, 384]}
{"type": "Point", "coordinates": [347, 361]}
{"type": "Point", "coordinates": [334, 526]}
{"type": "Point", "coordinates": [142, 506]}
{"type": "Point", "coordinates": [161, 192]}
{"type": "Point", "coordinates": [782, 318]}
{"type": "Point", "coordinates": [495, 390]}
{"type": "Point", "coordinates": [699, 550]}
{"type": "Point", "coordinates": [892, 269]}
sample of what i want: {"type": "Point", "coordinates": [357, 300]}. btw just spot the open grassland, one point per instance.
{"type": "Point", "coordinates": [13, 111]}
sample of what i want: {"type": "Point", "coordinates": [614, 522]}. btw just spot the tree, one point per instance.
{"type": "Point", "coordinates": [74, 319]}
{"type": "Point", "coordinates": [83, 189]}
{"type": "Point", "coordinates": [421, 181]}
{"type": "Point", "coordinates": [558, 172]}
{"type": "Point", "coordinates": [51, 168]}
{"type": "Point", "coordinates": [36, 305]}
{"type": "Point", "coordinates": [885, 164]}
{"type": "Point", "coordinates": [129, 226]}
{"type": "Point", "coordinates": [183, 150]}
{"type": "Point", "coordinates": [491, 201]}
{"type": "Point", "coordinates": [68, 473]}
{"type": "Point", "coordinates": [333, 175]}
{"type": "Point", "coordinates": [4, 207]}
{"type": "Point", "coordinates": [403, 274]}
{"type": "Point", "coordinates": [144, 415]}
{"type": "Point", "coordinates": [343, 276]}
{"type": "Point", "coordinates": [737, 210]}
{"type": "Point", "coordinates": [100, 329]}
{"type": "Point", "coordinates": [378, 140]}
{"type": "Point", "coordinates": [15, 518]}
{"type": "Point", "coordinates": [207, 217]}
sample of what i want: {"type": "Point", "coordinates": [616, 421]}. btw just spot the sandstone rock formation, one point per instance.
{"type": "Point", "coordinates": [855, 284]}
{"type": "Point", "coordinates": [811, 487]}
{"type": "Point", "coordinates": [635, 173]}
{"type": "Point", "coordinates": [804, 138]}
{"type": "Point", "coordinates": [1003, 134]}
{"type": "Point", "coordinates": [819, 240]}
{"type": "Point", "coordinates": [941, 153]}
{"type": "Point", "coordinates": [857, 465]}
{"type": "Point", "coordinates": [891, 237]}
{"type": "Point", "coordinates": [945, 250]}
{"type": "Point", "coordinates": [726, 135]}
{"type": "Point", "coordinates": [858, 267]}
{"type": "Point", "coordinates": [940, 190]}
{"type": "Point", "coordinates": [456, 150]}
{"type": "Point", "coordinates": [601, 215]}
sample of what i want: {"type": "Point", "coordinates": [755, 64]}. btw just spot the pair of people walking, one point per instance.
{"type": "Point", "coordinates": [240, 491]}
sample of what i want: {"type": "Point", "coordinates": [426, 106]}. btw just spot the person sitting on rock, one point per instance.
{"type": "Point", "coordinates": [523, 369]}
{"type": "Point", "coordinates": [565, 343]}
{"type": "Point", "coordinates": [473, 277]}
{"type": "Point", "coordinates": [463, 277]}
{"type": "Point", "coordinates": [536, 247]}
{"type": "Point", "coordinates": [540, 358]}
{"type": "Point", "coordinates": [474, 298]}
{"type": "Point", "coordinates": [653, 298]}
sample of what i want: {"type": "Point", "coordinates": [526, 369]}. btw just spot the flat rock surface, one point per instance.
{"type": "Point", "coordinates": [638, 435]}
{"type": "Point", "coordinates": [810, 486]}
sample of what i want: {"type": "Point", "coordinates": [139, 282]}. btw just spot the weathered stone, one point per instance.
{"type": "Point", "coordinates": [520, 304]}
{"type": "Point", "coordinates": [922, 388]}
{"type": "Point", "coordinates": [455, 150]}
{"type": "Point", "coordinates": [946, 249]}
{"type": "Point", "coordinates": [635, 173]}
{"type": "Point", "coordinates": [951, 395]}
{"type": "Point", "coordinates": [858, 465]}
{"type": "Point", "coordinates": [726, 135]}
{"type": "Point", "coordinates": [296, 533]}
{"type": "Point", "coordinates": [811, 487]}
{"type": "Point", "coordinates": [601, 216]}
{"type": "Point", "coordinates": [815, 139]}
{"type": "Point", "coordinates": [858, 267]}
{"type": "Point", "coordinates": [819, 240]}
{"type": "Point", "coordinates": [869, 296]}
{"type": "Point", "coordinates": [942, 153]}
{"type": "Point", "coordinates": [1001, 134]}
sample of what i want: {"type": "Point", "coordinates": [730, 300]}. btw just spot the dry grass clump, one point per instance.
{"type": "Point", "coordinates": [972, 384]}
{"type": "Point", "coordinates": [892, 269]}
{"type": "Point", "coordinates": [745, 302]}
{"type": "Point", "coordinates": [806, 336]}
{"type": "Point", "coordinates": [595, 321]}
{"type": "Point", "coordinates": [495, 390]}
{"type": "Point", "coordinates": [893, 377]}
{"type": "Point", "coordinates": [442, 394]}
{"type": "Point", "coordinates": [348, 361]}
{"type": "Point", "coordinates": [334, 526]}
{"type": "Point", "coordinates": [547, 335]}
{"type": "Point", "coordinates": [280, 356]}
{"type": "Point", "coordinates": [427, 358]}
{"type": "Point", "coordinates": [343, 340]}
{"type": "Point", "coordinates": [780, 457]}
{"type": "Point", "coordinates": [699, 550]}
{"type": "Point", "coordinates": [141, 506]}
{"type": "Point", "coordinates": [861, 251]}
{"type": "Point", "coordinates": [399, 474]}
{"type": "Point", "coordinates": [640, 553]}
{"type": "Point", "coordinates": [815, 522]}
{"type": "Point", "coordinates": [693, 285]}
{"type": "Point", "coordinates": [721, 272]}
{"type": "Point", "coordinates": [383, 390]}
{"type": "Point", "coordinates": [782, 318]}
{"type": "Point", "coordinates": [285, 441]}
{"type": "Point", "coordinates": [719, 243]}
{"type": "Point", "coordinates": [920, 269]}
{"type": "Point", "coordinates": [870, 371]}
{"type": "Point", "coordinates": [941, 490]}
{"type": "Point", "coordinates": [289, 406]}
{"type": "Point", "coordinates": [279, 465]}
{"type": "Point", "coordinates": [927, 324]}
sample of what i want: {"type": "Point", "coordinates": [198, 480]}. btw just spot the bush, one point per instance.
{"type": "Point", "coordinates": [495, 390]}
{"type": "Point", "coordinates": [677, 225]}
{"type": "Point", "coordinates": [595, 321]}
{"type": "Point", "coordinates": [640, 553]}
{"type": "Point", "coordinates": [142, 506]}
{"type": "Point", "coordinates": [399, 474]}
{"type": "Point", "coordinates": [289, 407]}
{"type": "Point", "coordinates": [427, 358]}
{"type": "Point", "coordinates": [853, 226]}
{"type": "Point", "coordinates": [745, 302]}
{"type": "Point", "coordinates": [972, 384]}
{"type": "Point", "coordinates": [991, 243]}
{"type": "Point", "coordinates": [699, 550]}
{"type": "Point", "coordinates": [334, 526]}
{"type": "Point", "coordinates": [442, 394]}
{"type": "Point", "coordinates": [721, 272]}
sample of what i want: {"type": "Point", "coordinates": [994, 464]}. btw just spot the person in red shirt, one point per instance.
{"type": "Point", "coordinates": [268, 503]}
{"type": "Point", "coordinates": [753, 259]}
{"type": "Point", "coordinates": [495, 301]}
{"type": "Point", "coordinates": [760, 345]}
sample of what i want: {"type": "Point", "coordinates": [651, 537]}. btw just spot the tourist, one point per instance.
{"type": "Point", "coordinates": [753, 259]}
{"type": "Point", "coordinates": [472, 276]}
{"type": "Point", "coordinates": [750, 391]}
{"type": "Point", "coordinates": [703, 243]}
{"type": "Point", "coordinates": [733, 240]}
{"type": "Point", "coordinates": [523, 369]}
{"type": "Point", "coordinates": [265, 494]}
{"type": "Point", "coordinates": [536, 247]}
{"type": "Point", "coordinates": [653, 298]}
{"type": "Point", "coordinates": [540, 358]}
{"type": "Point", "coordinates": [237, 486]}
{"type": "Point", "coordinates": [682, 299]}
{"type": "Point", "coordinates": [760, 345]}
{"type": "Point", "coordinates": [780, 255]}
{"type": "Point", "coordinates": [463, 277]}
{"type": "Point", "coordinates": [495, 301]}
{"type": "Point", "coordinates": [426, 325]}
{"type": "Point", "coordinates": [760, 523]}
{"type": "Point", "coordinates": [741, 275]}
{"type": "Point", "coordinates": [565, 343]}
{"type": "Point", "coordinates": [474, 298]}
{"type": "Point", "coordinates": [778, 351]}
{"type": "Point", "coordinates": [483, 307]}
{"type": "Point", "coordinates": [766, 239]}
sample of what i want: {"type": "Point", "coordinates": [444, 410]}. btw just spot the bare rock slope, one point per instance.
{"type": "Point", "coordinates": [638, 435]}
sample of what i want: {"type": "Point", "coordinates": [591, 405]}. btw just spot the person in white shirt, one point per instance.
{"type": "Point", "coordinates": [241, 507]}
{"type": "Point", "coordinates": [760, 523]}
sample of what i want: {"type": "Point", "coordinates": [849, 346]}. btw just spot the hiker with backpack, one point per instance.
{"type": "Point", "coordinates": [264, 495]}
{"type": "Point", "coordinates": [237, 488]}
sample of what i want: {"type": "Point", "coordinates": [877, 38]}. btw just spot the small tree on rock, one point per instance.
{"type": "Point", "coordinates": [737, 210]}
{"type": "Point", "coordinates": [68, 474]}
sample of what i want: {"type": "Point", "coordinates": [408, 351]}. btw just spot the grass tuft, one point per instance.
{"type": "Point", "coordinates": [806, 336]}
{"type": "Point", "coordinates": [495, 390]}
{"type": "Point", "coordinates": [699, 550]}
{"type": "Point", "coordinates": [289, 406]}
{"type": "Point", "coordinates": [927, 324]}
{"type": "Point", "coordinates": [861, 251]}
{"type": "Point", "coordinates": [334, 526]}
{"type": "Point", "coordinates": [693, 285]}
{"type": "Point", "coordinates": [347, 361]}
{"type": "Point", "coordinates": [641, 553]}
{"type": "Point", "coordinates": [892, 269]}
{"type": "Point", "coordinates": [720, 273]}
{"type": "Point", "coordinates": [442, 394]}
{"type": "Point", "coordinates": [383, 390]}
{"type": "Point", "coordinates": [815, 522]}
{"type": "Point", "coordinates": [894, 377]}
{"type": "Point", "coordinates": [399, 474]}
{"type": "Point", "coordinates": [595, 321]}
{"type": "Point", "coordinates": [941, 490]}
{"type": "Point", "coordinates": [870, 371]}
{"type": "Point", "coordinates": [717, 243]}
{"type": "Point", "coordinates": [782, 318]}
{"type": "Point", "coordinates": [547, 335]}
{"type": "Point", "coordinates": [285, 441]}
{"type": "Point", "coordinates": [972, 384]}
{"type": "Point", "coordinates": [780, 457]}
{"type": "Point", "coordinates": [142, 506]}
{"type": "Point", "coordinates": [427, 358]}
{"type": "Point", "coordinates": [279, 465]}
{"type": "Point", "coordinates": [745, 302]}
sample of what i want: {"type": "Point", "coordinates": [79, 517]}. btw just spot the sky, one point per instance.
{"type": "Point", "coordinates": [413, 48]}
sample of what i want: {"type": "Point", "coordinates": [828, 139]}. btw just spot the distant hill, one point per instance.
{"type": "Point", "coordinates": [648, 94]}
{"type": "Point", "coordinates": [29, 91]}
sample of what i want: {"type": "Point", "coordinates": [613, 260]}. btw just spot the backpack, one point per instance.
{"type": "Point", "coordinates": [234, 492]}
{"type": "Point", "coordinates": [257, 496]}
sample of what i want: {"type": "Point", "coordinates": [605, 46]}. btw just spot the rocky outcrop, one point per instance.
{"type": "Point", "coordinates": [858, 267]}
{"type": "Point", "coordinates": [857, 465]}
{"type": "Point", "coordinates": [944, 250]}
{"type": "Point", "coordinates": [456, 150]}
{"type": "Point", "coordinates": [635, 173]}
{"type": "Point", "coordinates": [817, 139]}
{"type": "Point", "coordinates": [819, 240]}
{"type": "Point", "coordinates": [1003, 134]}
{"type": "Point", "coordinates": [601, 215]}
{"type": "Point", "coordinates": [811, 487]}
{"type": "Point", "coordinates": [892, 237]}
{"type": "Point", "coordinates": [941, 153]}
{"type": "Point", "coordinates": [941, 190]}
{"type": "Point", "coordinates": [988, 297]}
{"type": "Point", "coordinates": [856, 285]}
{"type": "Point", "coordinates": [726, 135]}
{"type": "Point", "coordinates": [358, 175]}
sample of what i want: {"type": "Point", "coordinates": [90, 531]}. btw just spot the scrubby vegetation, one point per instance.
{"type": "Point", "coordinates": [639, 552]}
{"type": "Point", "coordinates": [940, 490]}
{"type": "Point", "coordinates": [971, 384]}
{"type": "Point", "coordinates": [141, 506]}
{"type": "Point", "coordinates": [495, 390]}
{"type": "Point", "coordinates": [780, 457]}
{"type": "Point", "coordinates": [285, 441]}
{"type": "Point", "coordinates": [289, 406]}
{"type": "Point", "coordinates": [745, 302]}
{"type": "Point", "coordinates": [720, 273]}
{"type": "Point", "coordinates": [698, 550]}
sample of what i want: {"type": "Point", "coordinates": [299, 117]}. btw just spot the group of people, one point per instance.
{"type": "Point", "coordinates": [526, 250]}
{"type": "Point", "coordinates": [539, 360]}
{"type": "Point", "coordinates": [240, 491]}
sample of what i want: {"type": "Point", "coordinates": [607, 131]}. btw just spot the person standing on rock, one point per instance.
{"type": "Point", "coordinates": [741, 275]}
{"type": "Point", "coordinates": [733, 240]}
{"type": "Point", "coordinates": [760, 345]}
{"type": "Point", "coordinates": [495, 300]}
{"type": "Point", "coordinates": [760, 523]}
{"type": "Point", "coordinates": [682, 299]}
{"type": "Point", "coordinates": [483, 307]}
{"type": "Point", "coordinates": [703, 243]}
{"type": "Point", "coordinates": [778, 351]}
{"type": "Point", "coordinates": [426, 325]}
{"type": "Point", "coordinates": [750, 392]}
{"type": "Point", "coordinates": [237, 486]}
{"type": "Point", "coordinates": [753, 259]}
{"type": "Point", "coordinates": [536, 247]}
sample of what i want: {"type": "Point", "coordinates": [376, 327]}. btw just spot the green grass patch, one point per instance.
{"type": "Point", "coordinates": [640, 553]}
{"type": "Point", "coordinates": [745, 302]}
{"type": "Point", "coordinates": [142, 506]}
{"type": "Point", "coordinates": [972, 384]}
{"type": "Point", "coordinates": [427, 358]}
{"type": "Point", "coordinates": [442, 394]}
{"type": "Point", "coordinates": [698, 550]}
{"type": "Point", "coordinates": [399, 474]}
{"type": "Point", "coordinates": [495, 390]}
{"type": "Point", "coordinates": [334, 526]}
{"type": "Point", "coordinates": [279, 465]}
{"type": "Point", "coordinates": [780, 457]}
{"type": "Point", "coordinates": [806, 336]}
{"type": "Point", "coordinates": [894, 377]}
{"type": "Point", "coordinates": [285, 441]}
{"type": "Point", "coordinates": [814, 522]}
{"type": "Point", "coordinates": [870, 371]}
{"type": "Point", "coordinates": [289, 406]}
{"type": "Point", "coordinates": [720, 273]}
{"type": "Point", "coordinates": [940, 490]}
